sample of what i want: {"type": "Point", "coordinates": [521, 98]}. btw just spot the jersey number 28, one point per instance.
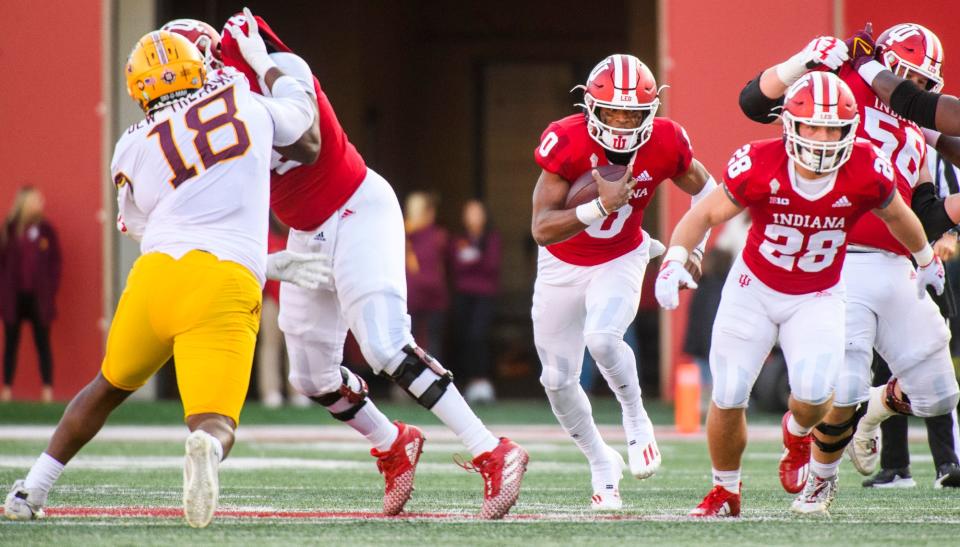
{"type": "Point", "coordinates": [201, 140]}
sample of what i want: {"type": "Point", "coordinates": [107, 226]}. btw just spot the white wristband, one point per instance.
{"type": "Point", "coordinates": [932, 136]}
{"type": "Point", "coordinates": [924, 256]}
{"type": "Point", "coordinates": [869, 70]}
{"type": "Point", "coordinates": [678, 253]}
{"type": "Point", "coordinates": [791, 70]}
{"type": "Point", "coordinates": [590, 212]}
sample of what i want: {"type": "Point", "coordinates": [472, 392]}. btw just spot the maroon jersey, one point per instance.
{"type": "Point", "coordinates": [796, 243]}
{"type": "Point", "coordinates": [902, 142]}
{"type": "Point", "coordinates": [305, 196]}
{"type": "Point", "coordinates": [568, 151]}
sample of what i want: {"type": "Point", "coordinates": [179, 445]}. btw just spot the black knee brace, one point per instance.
{"type": "Point", "coordinates": [354, 392]}
{"type": "Point", "coordinates": [413, 365]}
{"type": "Point", "coordinates": [900, 405]}
{"type": "Point", "coordinates": [835, 430]}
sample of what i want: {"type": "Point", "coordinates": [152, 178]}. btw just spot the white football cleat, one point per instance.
{"type": "Point", "coordinates": [201, 480]}
{"type": "Point", "coordinates": [644, 455]}
{"type": "Point", "coordinates": [23, 503]}
{"type": "Point", "coordinates": [606, 483]}
{"type": "Point", "coordinates": [817, 496]}
{"type": "Point", "coordinates": [864, 448]}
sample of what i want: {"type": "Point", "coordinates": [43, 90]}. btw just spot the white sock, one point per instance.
{"type": "Point", "coordinates": [368, 421]}
{"type": "Point", "coordinates": [44, 473]}
{"type": "Point", "coordinates": [796, 429]}
{"type": "Point", "coordinates": [456, 414]}
{"type": "Point", "coordinates": [572, 408]}
{"type": "Point", "coordinates": [624, 382]}
{"type": "Point", "coordinates": [824, 470]}
{"type": "Point", "coordinates": [729, 480]}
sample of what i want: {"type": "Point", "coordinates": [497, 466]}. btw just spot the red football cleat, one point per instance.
{"type": "Point", "coordinates": [502, 470]}
{"type": "Point", "coordinates": [398, 465]}
{"type": "Point", "coordinates": [795, 463]}
{"type": "Point", "coordinates": [720, 502]}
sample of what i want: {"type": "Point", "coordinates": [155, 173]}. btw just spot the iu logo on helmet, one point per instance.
{"type": "Point", "coordinates": [619, 142]}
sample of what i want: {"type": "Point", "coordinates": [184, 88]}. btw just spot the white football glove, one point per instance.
{"type": "Point", "coordinates": [824, 50]}
{"type": "Point", "coordinates": [251, 44]}
{"type": "Point", "coordinates": [930, 275]}
{"type": "Point", "coordinates": [671, 277]}
{"type": "Point", "coordinates": [306, 270]}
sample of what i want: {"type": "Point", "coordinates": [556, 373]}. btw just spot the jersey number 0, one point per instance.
{"type": "Point", "coordinates": [201, 140]}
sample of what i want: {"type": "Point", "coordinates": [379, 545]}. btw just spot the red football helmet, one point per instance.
{"type": "Point", "coordinates": [202, 35]}
{"type": "Point", "coordinates": [910, 47]}
{"type": "Point", "coordinates": [620, 82]}
{"type": "Point", "coordinates": [820, 99]}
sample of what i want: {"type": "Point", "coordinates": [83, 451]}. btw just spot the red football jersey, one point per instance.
{"type": "Point", "coordinates": [796, 242]}
{"type": "Point", "coordinates": [901, 140]}
{"type": "Point", "coordinates": [568, 151]}
{"type": "Point", "coordinates": [305, 196]}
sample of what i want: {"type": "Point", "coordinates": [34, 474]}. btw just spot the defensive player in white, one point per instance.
{"type": "Point", "coordinates": [193, 188]}
{"type": "Point", "coordinates": [884, 310]}
{"type": "Point", "coordinates": [786, 285]}
{"type": "Point", "coordinates": [593, 256]}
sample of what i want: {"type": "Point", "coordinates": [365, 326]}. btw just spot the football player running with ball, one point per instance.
{"type": "Point", "coordinates": [805, 192]}
{"type": "Point", "coordinates": [884, 310]}
{"type": "Point", "coordinates": [339, 207]}
{"type": "Point", "coordinates": [592, 257]}
{"type": "Point", "coordinates": [193, 188]}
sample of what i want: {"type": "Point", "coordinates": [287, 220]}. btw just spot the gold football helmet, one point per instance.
{"type": "Point", "coordinates": [163, 66]}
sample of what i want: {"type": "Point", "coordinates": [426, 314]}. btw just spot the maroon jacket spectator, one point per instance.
{"type": "Point", "coordinates": [427, 298]}
{"type": "Point", "coordinates": [475, 256]}
{"type": "Point", "coordinates": [29, 279]}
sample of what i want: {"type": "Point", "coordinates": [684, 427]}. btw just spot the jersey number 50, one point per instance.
{"type": "Point", "coordinates": [201, 140]}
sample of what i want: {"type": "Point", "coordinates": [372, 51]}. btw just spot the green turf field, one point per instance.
{"type": "Point", "coordinates": [298, 471]}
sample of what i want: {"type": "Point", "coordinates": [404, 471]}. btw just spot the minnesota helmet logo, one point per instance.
{"type": "Point", "coordinates": [168, 76]}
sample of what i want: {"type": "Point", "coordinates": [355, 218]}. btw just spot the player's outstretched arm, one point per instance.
{"type": "Point", "coordinates": [763, 94]}
{"type": "Point", "coordinates": [925, 108]}
{"type": "Point", "coordinates": [552, 223]}
{"type": "Point", "coordinates": [307, 148]}
{"type": "Point", "coordinates": [714, 209]}
{"type": "Point", "coordinates": [906, 227]}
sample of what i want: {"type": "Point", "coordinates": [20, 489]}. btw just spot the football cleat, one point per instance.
{"type": "Point", "coordinates": [398, 466]}
{"type": "Point", "coordinates": [201, 480]}
{"type": "Point", "coordinates": [948, 476]}
{"type": "Point", "coordinates": [502, 470]}
{"type": "Point", "coordinates": [864, 448]}
{"type": "Point", "coordinates": [816, 496]}
{"type": "Point", "coordinates": [795, 462]}
{"type": "Point", "coordinates": [606, 483]}
{"type": "Point", "coordinates": [23, 503]}
{"type": "Point", "coordinates": [720, 502]}
{"type": "Point", "coordinates": [891, 478]}
{"type": "Point", "coordinates": [642, 449]}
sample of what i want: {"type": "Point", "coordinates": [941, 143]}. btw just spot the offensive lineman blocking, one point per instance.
{"type": "Point", "coordinates": [197, 200]}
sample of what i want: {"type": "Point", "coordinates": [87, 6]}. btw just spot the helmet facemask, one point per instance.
{"type": "Point", "coordinates": [617, 139]}
{"type": "Point", "coordinates": [903, 68]}
{"type": "Point", "coordinates": [819, 156]}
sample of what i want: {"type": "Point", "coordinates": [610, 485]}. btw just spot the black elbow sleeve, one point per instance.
{"type": "Point", "coordinates": [931, 212]}
{"type": "Point", "coordinates": [757, 106]}
{"type": "Point", "coordinates": [915, 104]}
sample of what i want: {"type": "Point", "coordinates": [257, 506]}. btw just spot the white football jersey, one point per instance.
{"type": "Point", "coordinates": [195, 175]}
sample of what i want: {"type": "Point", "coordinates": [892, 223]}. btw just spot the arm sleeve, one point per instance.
{"type": "Point", "coordinates": [295, 67]}
{"type": "Point", "coordinates": [291, 110]}
{"type": "Point", "coordinates": [915, 104]}
{"type": "Point", "coordinates": [757, 106]}
{"type": "Point", "coordinates": [930, 211]}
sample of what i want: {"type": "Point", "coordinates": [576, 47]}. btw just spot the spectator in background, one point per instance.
{"type": "Point", "coordinates": [475, 256]}
{"type": "Point", "coordinates": [271, 359]}
{"type": "Point", "coordinates": [427, 298]}
{"type": "Point", "coordinates": [29, 279]}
